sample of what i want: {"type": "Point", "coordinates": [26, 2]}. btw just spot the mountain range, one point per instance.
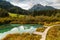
{"type": "Point", "coordinates": [39, 7]}
{"type": "Point", "coordinates": [36, 10]}
{"type": "Point", "coordinates": [11, 8]}
{"type": "Point", "coordinates": [7, 5]}
{"type": "Point", "coordinates": [15, 9]}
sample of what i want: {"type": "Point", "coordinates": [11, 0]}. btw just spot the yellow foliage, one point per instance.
{"type": "Point", "coordinates": [24, 36]}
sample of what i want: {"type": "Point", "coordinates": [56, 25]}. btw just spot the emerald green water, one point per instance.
{"type": "Point", "coordinates": [7, 27]}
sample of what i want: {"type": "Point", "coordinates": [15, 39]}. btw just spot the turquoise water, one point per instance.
{"type": "Point", "coordinates": [7, 27]}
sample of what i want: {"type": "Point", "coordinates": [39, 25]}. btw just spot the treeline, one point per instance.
{"type": "Point", "coordinates": [30, 20]}
{"type": "Point", "coordinates": [3, 13]}
{"type": "Point", "coordinates": [45, 12]}
{"type": "Point", "coordinates": [17, 10]}
{"type": "Point", "coordinates": [30, 16]}
{"type": "Point", "coordinates": [35, 17]}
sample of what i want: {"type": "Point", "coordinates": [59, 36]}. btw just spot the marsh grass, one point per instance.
{"type": "Point", "coordinates": [24, 36]}
{"type": "Point", "coordinates": [54, 33]}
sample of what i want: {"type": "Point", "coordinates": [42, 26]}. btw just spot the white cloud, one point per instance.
{"type": "Point", "coordinates": [55, 3]}
{"type": "Point", "coordinates": [26, 4]}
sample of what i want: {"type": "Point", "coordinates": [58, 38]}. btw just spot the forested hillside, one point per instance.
{"type": "Point", "coordinates": [49, 14]}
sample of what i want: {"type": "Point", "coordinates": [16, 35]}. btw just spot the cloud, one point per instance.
{"type": "Point", "coordinates": [54, 3]}
{"type": "Point", "coordinates": [26, 4]}
{"type": "Point", "coordinates": [57, 1]}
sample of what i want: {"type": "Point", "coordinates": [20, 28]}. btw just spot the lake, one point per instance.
{"type": "Point", "coordinates": [8, 27]}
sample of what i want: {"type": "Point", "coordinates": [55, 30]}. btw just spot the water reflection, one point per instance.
{"type": "Point", "coordinates": [7, 27]}
{"type": "Point", "coordinates": [20, 29]}
{"type": "Point", "coordinates": [23, 29]}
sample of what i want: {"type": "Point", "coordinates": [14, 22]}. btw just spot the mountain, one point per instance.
{"type": "Point", "coordinates": [5, 5]}
{"type": "Point", "coordinates": [39, 7]}
{"type": "Point", "coordinates": [11, 8]}
{"type": "Point", "coordinates": [49, 8]}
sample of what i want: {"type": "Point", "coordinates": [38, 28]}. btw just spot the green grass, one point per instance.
{"type": "Point", "coordinates": [12, 15]}
{"type": "Point", "coordinates": [15, 15]}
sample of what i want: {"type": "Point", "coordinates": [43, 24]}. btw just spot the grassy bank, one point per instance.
{"type": "Point", "coordinates": [24, 36]}
{"type": "Point", "coordinates": [41, 29]}
{"type": "Point", "coordinates": [54, 33]}
{"type": "Point", "coordinates": [29, 20]}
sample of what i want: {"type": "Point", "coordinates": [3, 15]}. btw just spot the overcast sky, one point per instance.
{"type": "Point", "coordinates": [27, 4]}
